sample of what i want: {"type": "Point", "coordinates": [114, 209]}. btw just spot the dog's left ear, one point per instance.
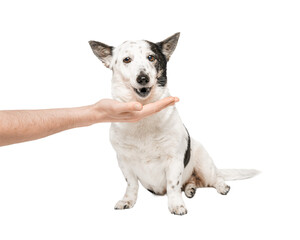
{"type": "Point", "coordinates": [103, 52]}
{"type": "Point", "coordinates": [168, 45]}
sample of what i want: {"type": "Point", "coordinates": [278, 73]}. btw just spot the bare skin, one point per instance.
{"type": "Point", "coordinates": [25, 125]}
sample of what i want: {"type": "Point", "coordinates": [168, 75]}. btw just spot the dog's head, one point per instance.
{"type": "Point", "coordinates": [139, 67]}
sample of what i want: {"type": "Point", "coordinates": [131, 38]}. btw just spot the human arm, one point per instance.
{"type": "Point", "coordinates": [26, 125]}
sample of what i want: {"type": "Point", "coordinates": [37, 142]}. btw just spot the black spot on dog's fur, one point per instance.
{"type": "Point", "coordinates": [160, 64]}
{"type": "Point", "coordinates": [151, 191]}
{"type": "Point", "coordinates": [187, 154]}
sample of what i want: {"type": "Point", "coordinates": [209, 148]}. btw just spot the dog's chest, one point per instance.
{"type": "Point", "coordinates": [147, 146]}
{"type": "Point", "coordinates": [146, 151]}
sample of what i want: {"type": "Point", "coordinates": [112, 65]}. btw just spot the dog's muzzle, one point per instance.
{"type": "Point", "coordinates": [143, 79]}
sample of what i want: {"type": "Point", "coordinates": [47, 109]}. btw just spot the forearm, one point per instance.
{"type": "Point", "coordinates": [25, 125]}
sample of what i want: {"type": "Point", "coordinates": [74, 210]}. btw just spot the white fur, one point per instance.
{"type": "Point", "coordinates": [124, 75]}
{"type": "Point", "coordinates": [152, 150]}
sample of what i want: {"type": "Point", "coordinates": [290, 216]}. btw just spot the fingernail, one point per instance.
{"type": "Point", "coordinates": [138, 106]}
{"type": "Point", "coordinates": [176, 99]}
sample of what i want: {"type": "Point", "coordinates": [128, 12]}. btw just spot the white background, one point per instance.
{"type": "Point", "coordinates": [236, 71]}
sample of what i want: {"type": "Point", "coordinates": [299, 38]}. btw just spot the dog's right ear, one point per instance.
{"type": "Point", "coordinates": [103, 52]}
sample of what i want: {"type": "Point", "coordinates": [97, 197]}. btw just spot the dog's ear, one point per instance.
{"type": "Point", "coordinates": [102, 51]}
{"type": "Point", "coordinates": [168, 45]}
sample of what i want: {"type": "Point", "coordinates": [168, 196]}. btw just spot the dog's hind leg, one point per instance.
{"type": "Point", "coordinates": [205, 172]}
{"type": "Point", "coordinates": [195, 181]}
{"type": "Point", "coordinates": [130, 196]}
{"type": "Point", "coordinates": [190, 189]}
{"type": "Point", "coordinates": [221, 186]}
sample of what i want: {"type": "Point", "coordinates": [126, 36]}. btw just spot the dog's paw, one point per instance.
{"type": "Point", "coordinates": [223, 189]}
{"type": "Point", "coordinates": [190, 190]}
{"type": "Point", "coordinates": [123, 204]}
{"type": "Point", "coordinates": [178, 210]}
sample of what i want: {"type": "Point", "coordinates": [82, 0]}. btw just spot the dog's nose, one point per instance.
{"type": "Point", "coordinates": [142, 79]}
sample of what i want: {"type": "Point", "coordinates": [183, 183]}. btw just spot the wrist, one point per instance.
{"type": "Point", "coordinates": [82, 116]}
{"type": "Point", "coordinates": [89, 115]}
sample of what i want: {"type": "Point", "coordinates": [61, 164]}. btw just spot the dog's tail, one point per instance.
{"type": "Point", "coordinates": [237, 174]}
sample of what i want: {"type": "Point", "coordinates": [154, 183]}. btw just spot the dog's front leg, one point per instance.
{"type": "Point", "coordinates": [131, 193]}
{"type": "Point", "coordinates": [174, 184]}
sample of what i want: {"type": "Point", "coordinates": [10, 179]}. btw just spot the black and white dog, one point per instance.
{"type": "Point", "coordinates": [157, 151]}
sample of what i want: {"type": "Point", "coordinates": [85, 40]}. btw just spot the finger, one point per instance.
{"type": "Point", "coordinates": [155, 107]}
{"type": "Point", "coordinates": [161, 104]}
{"type": "Point", "coordinates": [128, 107]}
{"type": "Point", "coordinates": [148, 110]}
{"type": "Point", "coordinates": [134, 115]}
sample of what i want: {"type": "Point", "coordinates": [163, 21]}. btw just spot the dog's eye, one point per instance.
{"type": "Point", "coordinates": [151, 58]}
{"type": "Point", "coordinates": [127, 60]}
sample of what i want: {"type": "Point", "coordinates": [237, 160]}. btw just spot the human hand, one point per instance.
{"type": "Point", "coordinates": [25, 125]}
{"type": "Point", "coordinates": [109, 110]}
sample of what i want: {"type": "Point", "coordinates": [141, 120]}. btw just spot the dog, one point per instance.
{"type": "Point", "coordinates": [156, 151]}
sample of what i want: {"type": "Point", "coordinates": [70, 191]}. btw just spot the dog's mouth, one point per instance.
{"type": "Point", "coordinates": [143, 92]}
